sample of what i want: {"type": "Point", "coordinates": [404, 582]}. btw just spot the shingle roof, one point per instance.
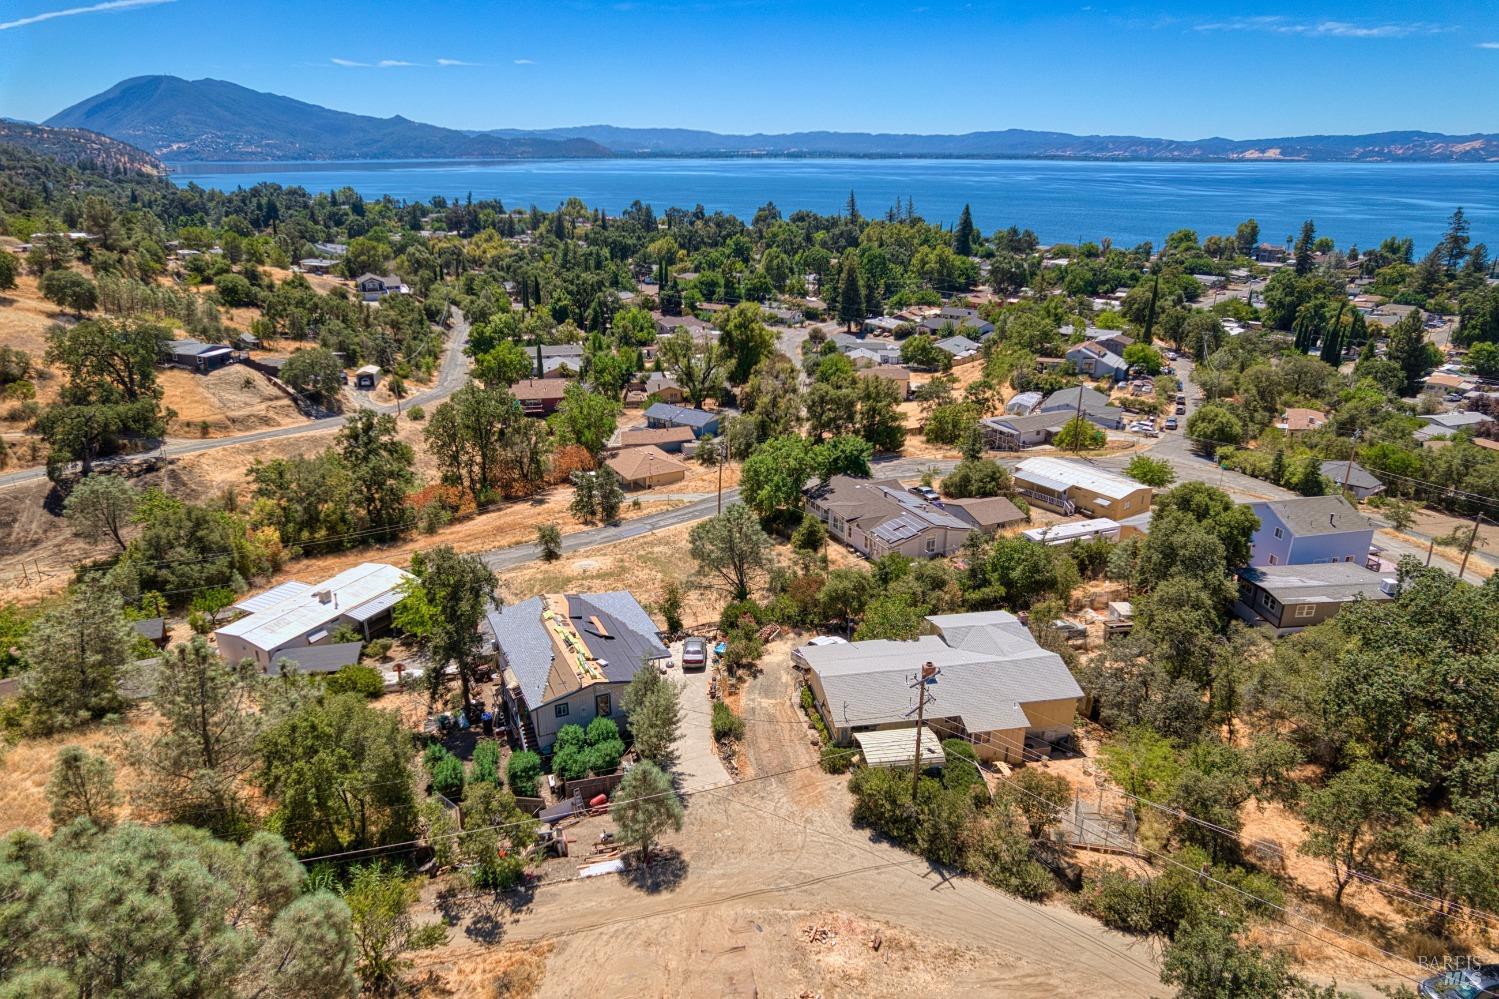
{"type": "Point", "coordinates": [539, 389]}
{"type": "Point", "coordinates": [641, 436]}
{"type": "Point", "coordinates": [1308, 516]}
{"type": "Point", "coordinates": [984, 684]}
{"type": "Point", "coordinates": [523, 643]}
{"type": "Point", "coordinates": [985, 512]}
{"type": "Point", "coordinates": [1356, 475]}
{"type": "Point", "coordinates": [884, 507]}
{"type": "Point", "coordinates": [1328, 583]}
{"type": "Point", "coordinates": [1067, 398]}
{"type": "Point", "coordinates": [681, 415]}
{"type": "Point", "coordinates": [637, 463]}
{"type": "Point", "coordinates": [626, 637]}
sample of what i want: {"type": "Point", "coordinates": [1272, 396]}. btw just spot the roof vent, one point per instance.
{"type": "Point", "coordinates": [324, 596]}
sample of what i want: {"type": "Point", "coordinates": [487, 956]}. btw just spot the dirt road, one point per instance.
{"type": "Point", "coordinates": [772, 892]}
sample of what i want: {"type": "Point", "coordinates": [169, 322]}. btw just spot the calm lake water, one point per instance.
{"type": "Point", "coordinates": [1061, 201]}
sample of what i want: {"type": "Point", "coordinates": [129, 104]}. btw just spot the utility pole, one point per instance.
{"type": "Point", "coordinates": [722, 447]}
{"type": "Point", "coordinates": [927, 675]}
{"type": "Point", "coordinates": [1348, 469]}
{"type": "Point", "coordinates": [1077, 430]}
{"type": "Point", "coordinates": [1468, 548]}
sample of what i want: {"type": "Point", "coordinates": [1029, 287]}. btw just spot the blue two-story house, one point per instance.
{"type": "Point", "coordinates": [1308, 531]}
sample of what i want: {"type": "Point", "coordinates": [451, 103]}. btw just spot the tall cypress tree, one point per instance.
{"type": "Point", "coordinates": [963, 235]}
{"type": "Point", "coordinates": [1155, 289]}
{"type": "Point", "coordinates": [1332, 340]}
{"type": "Point", "coordinates": [850, 293]}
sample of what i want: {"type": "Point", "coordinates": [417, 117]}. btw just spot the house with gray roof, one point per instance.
{"type": "Point", "coordinates": [663, 414]}
{"type": "Point", "coordinates": [1448, 424]}
{"type": "Point", "coordinates": [1355, 477]}
{"type": "Point", "coordinates": [1015, 433]}
{"type": "Point", "coordinates": [1095, 406]}
{"type": "Point", "coordinates": [567, 659]}
{"type": "Point", "coordinates": [1309, 530]}
{"type": "Point", "coordinates": [960, 347]}
{"type": "Point", "coordinates": [994, 687]}
{"type": "Point", "coordinates": [1287, 598]}
{"type": "Point", "coordinates": [876, 517]}
{"type": "Point", "coordinates": [1098, 361]}
{"type": "Point", "coordinates": [195, 355]}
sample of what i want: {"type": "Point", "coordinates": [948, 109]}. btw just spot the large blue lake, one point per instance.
{"type": "Point", "coordinates": [1062, 201]}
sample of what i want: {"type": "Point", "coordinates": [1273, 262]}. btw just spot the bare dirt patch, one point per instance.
{"type": "Point", "coordinates": [232, 400]}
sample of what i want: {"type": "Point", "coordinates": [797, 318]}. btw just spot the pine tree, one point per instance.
{"type": "Point", "coordinates": [963, 235]}
{"type": "Point", "coordinates": [850, 293]}
{"type": "Point", "coordinates": [195, 764]}
{"type": "Point", "coordinates": [852, 208]}
{"type": "Point", "coordinates": [1278, 466]}
{"type": "Point", "coordinates": [78, 653]}
{"type": "Point", "coordinates": [1454, 243]}
{"type": "Point", "coordinates": [82, 787]}
{"type": "Point", "coordinates": [644, 807]}
{"type": "Point", "coordinates": [1304, 246]}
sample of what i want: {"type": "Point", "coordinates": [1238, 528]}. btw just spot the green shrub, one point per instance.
{"type": "Point", "coordinates": [602, 730]}
{"type": "Point", "coordinates": [522, 772]}
{"type": "Point", "coordinates": [434, 755]}
{"type": "Point", "coordinates": [809, 705]}
{"type": "Point", "coordinates": [729, 620]}
{"type": "Point", "coordinates": [365, 680]}
{"type": "Point", "coordinates": [378, 649]}
{"type": "Point", "coordinates": [570, 737]}
{"type": "Point", "coordinates": [487, 763]}
{"type": "Point", "coordinates": [447, 778]}
{"type": "Point", "coordinates": [604, 757]}
{"type": "Point", "coordinates": [726, 724]}
{"type": "Point", "coordinates": [836, 759]}
{"type": "Point", "coordinates": [416, 414]}
{"type": "Point", "coordinates": [962, 765]}
{"type": "Point", "coordinates": [570, 761]}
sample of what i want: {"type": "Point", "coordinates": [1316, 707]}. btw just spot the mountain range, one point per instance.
{"type": "Point", "coordinates": [179, 119]}
{"type": "Point", "coordinates": [182, 120]}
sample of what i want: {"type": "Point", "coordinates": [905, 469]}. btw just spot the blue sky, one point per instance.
{"type": "Point", "coordinates": [1165, 69]}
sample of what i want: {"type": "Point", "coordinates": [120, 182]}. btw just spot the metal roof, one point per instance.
{"type": "Point", "coordinates": [1058, 534]}
{"type": "Point", "coordinates": [896, 747]}
{"type": "Point", "coordinates": [316, 658]}
{"type": "Point", "coordinates": [273, 596]}
{"type": "Point", "coordinates": [299, 614]}
{"type": "Point", "coordinates": [1076, 473]}
{"type": "Point", "coordinates": [384, 602]}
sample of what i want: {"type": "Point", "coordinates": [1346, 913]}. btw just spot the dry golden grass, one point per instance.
{"type": "Point", "coordinates": [28, 766]}
{"type": "Point", "coordinates": [480, 972]}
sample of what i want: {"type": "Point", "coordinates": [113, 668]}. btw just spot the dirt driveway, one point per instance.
{"type": "Point", "coordinates": [772, 892]}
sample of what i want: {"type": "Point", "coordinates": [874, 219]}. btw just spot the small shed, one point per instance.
{"type": "Point", "coordinates": [367, 377]}
{"type": "Point", "coordinates": [896, 747]}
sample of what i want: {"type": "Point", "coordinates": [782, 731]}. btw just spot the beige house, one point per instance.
{"type": "Point", "coordinates": [995, 686]}
{"type": "Point", "coordinates": [1288, 598]}
{"type": "Point", "coordinates": [647, 467]}
{"type": "Point", "coordinates": [1070, 487]}
{"type": "Point", "coordinates": [878, 516]}
{"type": "Point", "coordinates": [668, 439]}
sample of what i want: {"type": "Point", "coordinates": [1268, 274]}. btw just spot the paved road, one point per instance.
{"type": "Point", "coordinates": [451, 376]}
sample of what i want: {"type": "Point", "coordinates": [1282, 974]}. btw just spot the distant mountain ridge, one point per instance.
{"type": "Point", "coordinates": [75, 146]}
{"type": "Point", "coordinates": [181, 120]}
{"type": "Point", "coordinates": [1027, 144]}
{"type": "Point", "coordinates": [213, 120]}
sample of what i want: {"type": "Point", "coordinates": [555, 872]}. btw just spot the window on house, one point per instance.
{"type": "Point", "coordinates": [1347, 558]}
{"type": "Point", "coordinates": [1271, 603]}
{"type": "Point", "coordinates": [1306, 610]}
{"type": "Point", "coordinates": [560, 711]}
{"type": "Point", "coordinates": [603, 705]}
{"type": "Point", "coordinates": [1274, 560]}
{"type": "Point", "coordinates": [1279, 533]}
{"type": "Point", "coordinates": [931, 545]}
